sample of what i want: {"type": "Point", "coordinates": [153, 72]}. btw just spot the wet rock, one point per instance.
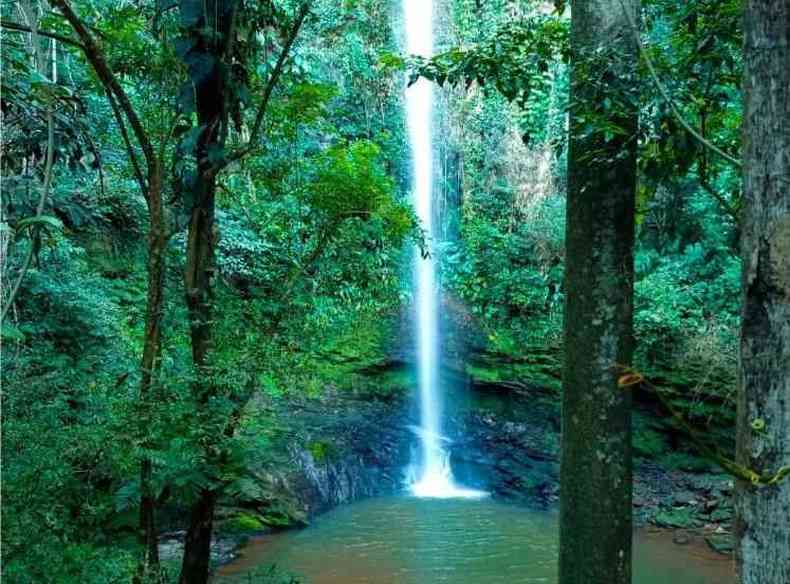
{"type": "Point", "coordinates": [343, 448]}
{"type": "Point", "coordinates": [722, 515]}
{"type": "Point", "coordinates": [677, 517]}
{"type": "Point", "coordinates": [171, 547]}
{"type": "Point", "coordinates": [684, 498]}
{"type": "Point", "coordinates": [722, 543]}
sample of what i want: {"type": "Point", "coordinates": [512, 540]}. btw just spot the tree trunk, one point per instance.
{"type": "Point", "coordinates": [596, 468]}
{"type": "Point", "coordinates": [762, 526]}
{"type": "Point", "coordinates": [199, 272]}
{"type": "Point", "coordinates": [211, 101]}
{"type": "Point", "coordinates": [197, 550]}
{"type": "Point", "coordinates": [157, 253]}
{"type": "Point", "coordinates": [125, 113]}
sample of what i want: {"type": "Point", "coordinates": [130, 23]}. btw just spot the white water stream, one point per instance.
{"type": "Point", "coordinates": [431, 474]}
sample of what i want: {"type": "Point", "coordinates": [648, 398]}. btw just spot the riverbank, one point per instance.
{"type": "Point", "coordinates": [354, 443]}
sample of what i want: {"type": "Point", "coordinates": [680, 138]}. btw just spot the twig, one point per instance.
{"type": "Point", "coordinates": [730, 209]}
{"type": "Point", "coordinates": [127, 142]}
{"type": "Point", "coordinates": [99, 165]}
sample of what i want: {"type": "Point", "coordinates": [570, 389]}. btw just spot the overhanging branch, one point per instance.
{"type": "Point", "coordinates": [15, 26]}
{"type": "Point", "coordinates": [304, 10]}
{"type": "Point", "coordinates": [668, 98]}
{"type": "Point", "coordinates": [95, 57]}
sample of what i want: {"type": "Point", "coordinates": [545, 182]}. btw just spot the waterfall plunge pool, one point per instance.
{"type": "Point", "coordinates": [408, 540]}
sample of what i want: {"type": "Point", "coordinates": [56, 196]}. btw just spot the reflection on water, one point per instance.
{"type": "Point", "coordinates": [424, 541]}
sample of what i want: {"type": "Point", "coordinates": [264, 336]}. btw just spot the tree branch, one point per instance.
{"type": "Point", "coordinates": [727, 207]}
{"type": "Point", "coordinates": [270, 85]}
{"type": "Point", "coordinates": [95, 57]}
{"type": "Point", "coordinates": [127, 142]}
{"type": "Point", "coordinates": [668, 98]}
{"type": "Point", "coordinates": [15, 26]}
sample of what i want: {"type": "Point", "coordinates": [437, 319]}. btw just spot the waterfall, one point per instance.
{"type": "Point", "coordinates": [430, 475]}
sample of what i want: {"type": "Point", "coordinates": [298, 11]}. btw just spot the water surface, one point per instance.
{"type": "Point", "coordinates": [408, 540]}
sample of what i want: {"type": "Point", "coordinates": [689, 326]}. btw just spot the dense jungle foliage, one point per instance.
{"type": "Point", "coordinates": [313, 235]}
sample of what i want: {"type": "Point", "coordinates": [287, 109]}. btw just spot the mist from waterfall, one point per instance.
{"type": "Point", "coordinates": [430, 473]}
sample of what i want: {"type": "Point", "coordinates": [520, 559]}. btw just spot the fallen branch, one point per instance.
{"type": "Point", "coordinates": [631, 378]}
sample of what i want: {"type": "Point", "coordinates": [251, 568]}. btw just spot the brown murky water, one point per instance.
{"type": "Point", "coordinates": [421, 541]}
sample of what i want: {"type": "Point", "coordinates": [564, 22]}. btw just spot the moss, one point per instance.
{"type": "Point", "coordinates": [384, 380]}
{"type": "Point", "coordinates": [283, 515]}
{"type": "Point", "coordinates": [681, 518]}
{"type": "Point", "coordinates": [322, 451]}
{"type": "Point", "coordinates": [722, 514]}
{"type": "Point", "coordinates": [483, 374]}
{"type": "Point", "coordinates": [648, 443]}
{"type": "Point", "coordinates": [686, 461]}
{"type": "Point", "coordinates": [538, 368]}
{"type": "Point", "coordinates": [244, 522]}
{"type": "Point", "coordinates": [721, 543]}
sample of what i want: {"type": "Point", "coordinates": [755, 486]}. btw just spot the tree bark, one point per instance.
{"type": "Point", "coordinates": [762, 526]}
{"type": "Point", "coordinates": [157, 251]}
{"type": "Point", "coordinates": [197, 551]}
{"type": "Point", "coordinates": [596, 468]}
{"type": "Point", "coordinates": [211, 103]}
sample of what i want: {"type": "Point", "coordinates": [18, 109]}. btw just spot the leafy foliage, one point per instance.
{"type": "Point", "coordinates": [311, 226]}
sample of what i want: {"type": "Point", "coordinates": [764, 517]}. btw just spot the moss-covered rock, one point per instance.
{"type": "Point", "coordinates": [722, 543]}
{"type": "Point", "coordinates": [678, 517]}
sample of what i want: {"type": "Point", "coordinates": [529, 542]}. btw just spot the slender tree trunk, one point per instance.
{"type": "Point", "coordinates": [125, 113]}
{"type": "Point", "coordinates": [212, 36]}
{"type": "Point", "coordinates": [211, 101]}
{"type": "Point", "coordinates": [157, 248]}
{"type": "Point", "coordinates": [762, 526]}
{"type": "Point", "coordinates": [199, 272]}
{"type": "Point", "coordinates": [596, 468]}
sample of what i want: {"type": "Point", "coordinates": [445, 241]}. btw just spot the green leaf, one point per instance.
{"type": "Point", "coordinates": [44, 221]}
{"type": "Point", "coordinates": [11, 333]}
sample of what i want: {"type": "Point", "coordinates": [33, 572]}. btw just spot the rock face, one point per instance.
{"type": "Point", "coordinates": [508, 445]}
{"type": "Point", "coordinates": [339, 448]}
{"type": "Point", "coordinates": [371, 462]}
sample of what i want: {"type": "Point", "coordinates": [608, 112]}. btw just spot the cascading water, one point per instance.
{"type": "Point", "coordinates": [430, 475]}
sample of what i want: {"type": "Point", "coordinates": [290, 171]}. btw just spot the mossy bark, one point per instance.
{"type": "Point", "coordinates": [762, 526]}
{"type": "Point", "coordinates": [596, 468]}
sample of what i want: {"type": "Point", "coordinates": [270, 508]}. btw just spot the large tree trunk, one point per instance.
{"type": "Point", "coordinates": [762, 527]}
{"type": "Point", "coordinates": [595, 494]}
{"type": "Point", "coordinates": [197, 551]}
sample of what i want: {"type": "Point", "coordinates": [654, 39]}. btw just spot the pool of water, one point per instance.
{"type": "Point", "coordinates": [424, 541]}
